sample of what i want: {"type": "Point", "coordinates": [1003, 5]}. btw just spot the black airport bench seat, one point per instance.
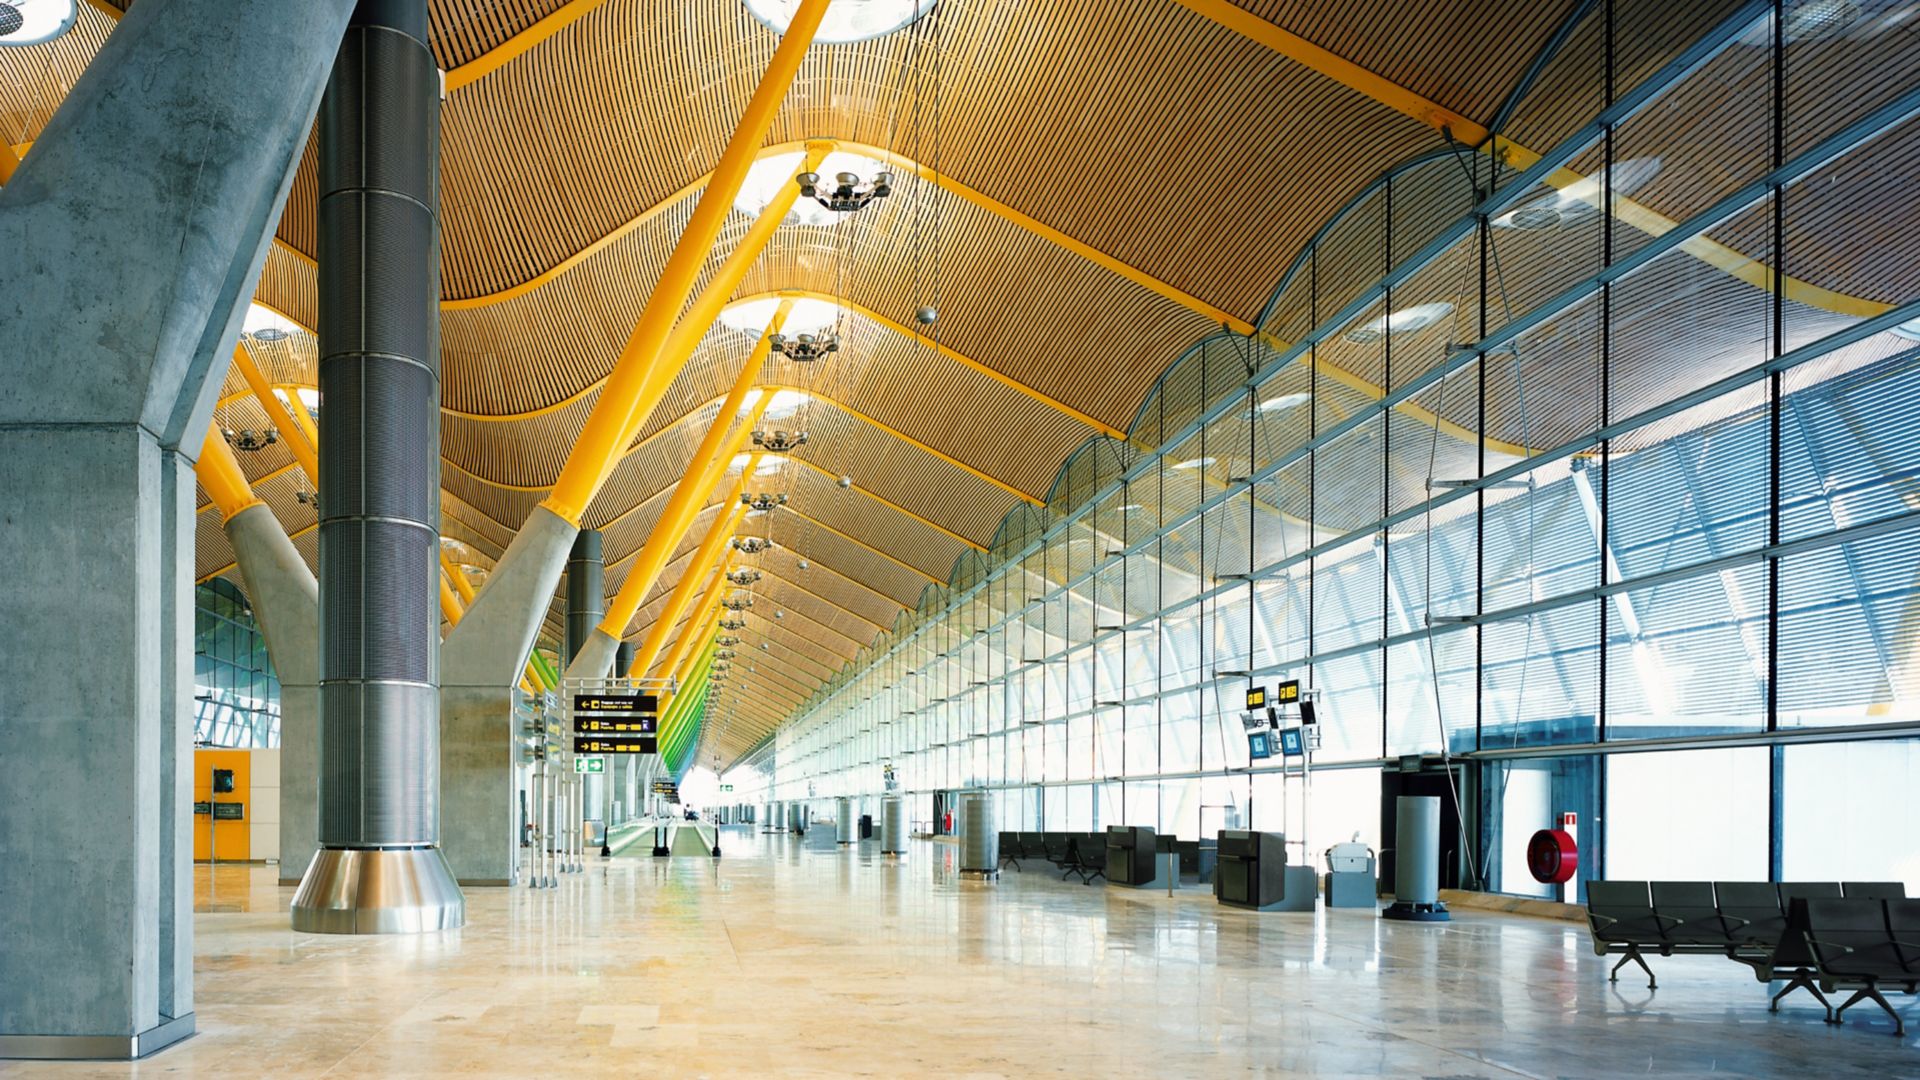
{"type": "Point", "coordinates": [1771, 928]}
{"type": "Point", "coordinates": [1082, 854]}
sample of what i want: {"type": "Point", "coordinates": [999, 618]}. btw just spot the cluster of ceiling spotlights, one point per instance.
{"type": "Point", "coordinates": [250, 441]}
{"type": "Point", "coordinates": [848, 192]}
{"type": "Point", "coordinates": [779, 442]}
{"type": "Point", "coordinates": [804, 348]}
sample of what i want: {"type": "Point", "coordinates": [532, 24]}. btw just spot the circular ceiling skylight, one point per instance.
{"type": "Point", "coordinates": [767, 467]}
{"type": "Point", "coordinates": [847, 20]}
{"type": "Point", "coordinates": [805, 316]}
{"type": "Point", "coordinates": [1404, 321]}
{"type": "Point", "coordinates": [1284, 402]}
{"type": "Point", "coordinates": [307, 396]}
{"type": "Point", "coordinates": [768, 175]}
{"type": "Point", "coordinates": [1551, 208]}
{"type": "Point", "coordinates": [784, 404]}
{"type": "Point", "coordinates": [30, 22]}
{"type": "Point", "coordinates": [263, 324]}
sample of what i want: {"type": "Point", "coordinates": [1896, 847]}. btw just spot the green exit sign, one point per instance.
{"type": "Point", "coordinates": [726, 787]}
{"type": "Point", "coordinates": [590, 764]}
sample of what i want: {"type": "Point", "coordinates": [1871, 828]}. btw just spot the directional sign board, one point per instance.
{"type": "Point", "coordinates": [589, 765]}
{"type": "Point", "coordinates": [667, 788]}
{"type": "Point", "coordinates": [615, 744]}
{"type": "Point", "coordinates": [1287, 693]}
{"type": "Point", "coordinates": [615, 723]}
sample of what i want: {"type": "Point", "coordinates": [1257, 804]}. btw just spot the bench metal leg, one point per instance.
{"type": "Point", "coordinates": [1633, 957]}
{"type": "Point", "coordinates": [1872, 993]}
{"type": "Point", "coordinates": [1802, 979]}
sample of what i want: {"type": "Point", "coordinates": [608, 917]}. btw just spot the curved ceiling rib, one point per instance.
{"type": "Point", "coordinates": [678, 567]}
{"type": "Point", "coordinates": [856, 308]}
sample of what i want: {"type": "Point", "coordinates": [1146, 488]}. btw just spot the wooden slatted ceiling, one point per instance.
{"type": "Point", "coordinates": [34, 80]}
{"type": "Point", "coordinates": [1443, 59]}
{"type": "Point", "coordinates": [467, 29]}
{"type": "Point", "coordinates": [875, 607]}
{"type": "Point", "coordinates": [638, 78]}
{"type": "Point", "coordinates": [537, 349]}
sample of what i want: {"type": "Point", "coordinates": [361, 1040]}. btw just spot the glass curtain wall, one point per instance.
{"type": "Point", "coordinates": [236, 695]}
{"type": "Point", "coordinates": [1587, 459]}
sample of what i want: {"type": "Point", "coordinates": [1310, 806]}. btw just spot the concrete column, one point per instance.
{"type": "Point", "coordinates": [481, 663]}
{"type": "Point", "coordinates": [586, 606]}
{"type": "Point", "coordinates": [286, 601]}
{"type": "Point", "coordinates": [134, 233]}
{"type": "Point", "coordinates": [623, 659]}
{"type": "Point", "coordinates": [379, 869]}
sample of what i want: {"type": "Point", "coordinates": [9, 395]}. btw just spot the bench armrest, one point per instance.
{"type": "Point", "coordinates": [1818, 944]}
{"type": "Point", "coordinates": [1600, 921]}
{"type": "Point", "coordinates": [1657, 917]}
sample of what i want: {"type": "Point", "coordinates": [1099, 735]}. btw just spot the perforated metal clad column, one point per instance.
{"type": "Point", "coordinates": [623, 660]}
{"type": "Point", "coordinates": [979, 844]}
{"type": "Point", "coordinates": [586, 592]}
{"type": "Point", "coordinates": [846, 827]}
{"type": "Point", "coordinates": [893, 825]}
{"type": "Point", "coordinates": [379, 367]}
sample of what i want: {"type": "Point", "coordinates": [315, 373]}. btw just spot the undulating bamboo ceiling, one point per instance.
{"type": "Point", "coordinates": [1107, 182]}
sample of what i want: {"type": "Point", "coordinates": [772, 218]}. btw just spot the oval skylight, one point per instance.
{"type": "Point", "coordinates": [263, 324]}
{"type": "Point", "coordinates": [30, 22]}
{"type": "Point", "coordinates": [846, 20]}
{"type": "Point", "coordinates": [1909, 330]}
{"type": "Point", "coordinates": [784, 404]}
{"type": "Point", "coordinates": [1404, 321]}
{"type": "Point", "coordinates": [768, 175]}
{"type": "Point", "coordinates": [768, 466]}
{"type": "Point", "coordinates": [1194, 463]}
{"type": "Point", "coordinates": [1284, 402]}
{"type": "Point", "coordinates": [307, 396]}
{"type": "Point", "coordinates": [805, 316]}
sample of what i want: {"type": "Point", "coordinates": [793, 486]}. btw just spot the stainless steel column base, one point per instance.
{"type": "Point", "coordinates": [378, 891]}
{"type": "Point", "coordinates": [97, 1047]}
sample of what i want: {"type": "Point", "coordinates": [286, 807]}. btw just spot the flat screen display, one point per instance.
{"type": "Point", "coordinates": [1259, 745]}
{"type": "Point", "coordinates": [1291, 744]}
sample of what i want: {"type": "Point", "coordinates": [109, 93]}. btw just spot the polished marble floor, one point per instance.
{"type": "Point", "coordinates": [790, 958]}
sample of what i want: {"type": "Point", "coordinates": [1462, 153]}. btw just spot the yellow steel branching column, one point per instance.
{"type": "Point", "coordinates": [711, 550]}
{"type": "Point", "coordinates": [705, 468]}
{"type": "Point", "coordinates": [220, 473]}
{"type": "Point", "coordinates": [683, 653]}
{"type": "Point", "coordinates": [606, 431]}
{"type": "Point", "coordinates": [297, 441]}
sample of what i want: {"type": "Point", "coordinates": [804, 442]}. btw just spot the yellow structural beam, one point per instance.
{"type": "Point", "coordinates": [220, 473]}
{"type": "Point", "coordinates": [712, 548]}
{"type": "Point", "coordinates": [9, 161]}
{"type": "Point", "coordinates": [1336, 67]}
{"type": "Point", "coordinates": [900, 164]}
{"type": "Point", "coordinates": [696, 627]}
{"type": "Point", "coordinates": [708, 465]}
{"type": "Point", "coordinates": [1468, 133]}
{"type": "Point", "coordinates": [601, 440]}
{"type": "Point", "coordinates": [304, 452]}
{"type": "Point", "coordinates": [460, 581]}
